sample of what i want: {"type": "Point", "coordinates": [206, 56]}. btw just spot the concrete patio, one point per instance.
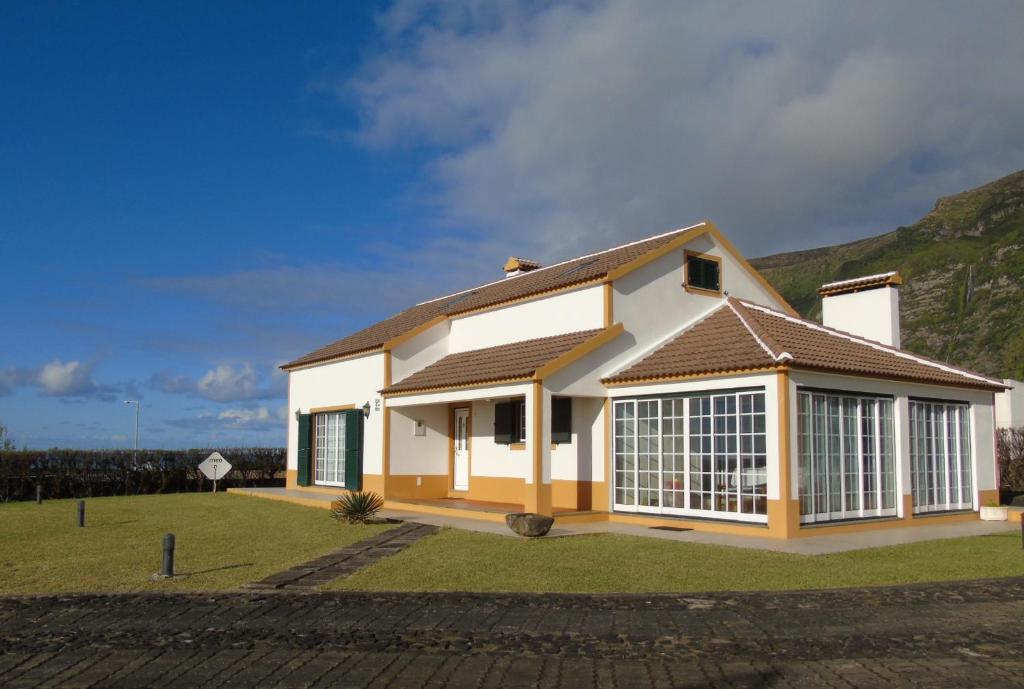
{"type": "Point", "coordinates": [490, 519]}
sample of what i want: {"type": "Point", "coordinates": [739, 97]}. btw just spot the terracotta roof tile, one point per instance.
{"type": "Point", "coordinates": [717, 343]}
{"type": "Point", "coordinates": [749, 336]}
{"type": "Point", "coordinates": [565, 274]}
{"type": "Point", "coordinates": [517, 360]}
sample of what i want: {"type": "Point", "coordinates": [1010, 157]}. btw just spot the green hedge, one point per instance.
{"type": "Point", "coordinates": [89, 473]}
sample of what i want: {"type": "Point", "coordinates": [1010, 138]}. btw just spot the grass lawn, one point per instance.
{"type": "Point", "coordinates": [463, 561]}
{"type": "Point", "coordinates": [223, 541]}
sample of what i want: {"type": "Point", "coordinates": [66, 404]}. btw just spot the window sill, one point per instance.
{"type": "Point", "coordinates": [702, 291]}
{"type": "Point", "coordinates": [851, 520]}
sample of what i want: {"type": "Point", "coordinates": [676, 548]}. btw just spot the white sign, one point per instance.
{"type": "Point", "coordinates": [215, 466]}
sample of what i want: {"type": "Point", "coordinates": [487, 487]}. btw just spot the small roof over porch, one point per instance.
{"type": "Point", "coordinates": [504, 364]}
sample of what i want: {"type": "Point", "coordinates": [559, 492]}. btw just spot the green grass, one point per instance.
{"type": "Point", "coordinates": [223, 541]}
{"type": "Point", "coordinates": [461, 561]}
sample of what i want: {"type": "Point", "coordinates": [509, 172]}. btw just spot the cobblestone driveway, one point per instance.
{"type": "Point", "coordinates": [952, 635]}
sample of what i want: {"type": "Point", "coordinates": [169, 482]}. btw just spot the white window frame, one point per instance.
{"type": "Point", "coordinates": [930, 443]}
{"type": "Point", "coordinates": [841, 512]}
{"type": "Point", "coordinates": [616, 437]}
{"type": "Point", "coordinates": [328, 456]}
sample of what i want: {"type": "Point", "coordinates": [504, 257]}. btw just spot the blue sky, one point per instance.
{"type": "Point", "coordinates": [192, 193]}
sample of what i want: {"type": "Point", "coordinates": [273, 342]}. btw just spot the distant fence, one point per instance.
{"type": "Point", "coordinates": [89, 473]}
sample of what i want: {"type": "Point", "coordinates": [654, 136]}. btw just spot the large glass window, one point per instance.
{"type": "Point", "coordinates": [940, 456]}
{"type": "Point", "coordinates": [696, 454]}
{"type": "Point", "coordinates": [329, 449]}
{"type": "Point", "coordinates": [846, 463]}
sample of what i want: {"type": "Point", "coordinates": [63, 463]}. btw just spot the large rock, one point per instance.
{"type": "Point", "coordinates": [529, 524]}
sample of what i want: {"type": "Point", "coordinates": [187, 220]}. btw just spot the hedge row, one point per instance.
{"type": "Point", "coordinates": [1010, 455]}
{"type": "Point", "coordinates": [90, 473]}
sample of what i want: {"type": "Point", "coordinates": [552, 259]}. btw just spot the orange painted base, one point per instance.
{"type": "Point", "coordinates": [371, 482]}
{"type": "Point", "coordinates": [493, 489]}
{"type": "Point", "coordinates": [429, 486]}
{"type": "Point", "coordinates": [590, 497]}
{"type": "Point", "coordinates": [986, 497]}
{"type": "Point", "coordinates": [537, 498]}
{"type": "Point", "coordinates": [579, 495]}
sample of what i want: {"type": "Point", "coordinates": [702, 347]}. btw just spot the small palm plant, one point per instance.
{"type": "Point", "coordinates": [357, 508]}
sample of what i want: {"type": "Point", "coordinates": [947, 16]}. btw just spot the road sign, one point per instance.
{"type": "Point", "coordinates": [215, 467]}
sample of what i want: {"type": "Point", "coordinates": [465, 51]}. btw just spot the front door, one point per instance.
{"type": "Point", "coordinates": [460, 473]}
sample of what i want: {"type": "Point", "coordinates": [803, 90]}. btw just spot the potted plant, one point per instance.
{"type": "Point", "coordinates": [993, 512]}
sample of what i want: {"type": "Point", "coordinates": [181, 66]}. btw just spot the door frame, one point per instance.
{"type": "Point", "coordinates": [452, 408]}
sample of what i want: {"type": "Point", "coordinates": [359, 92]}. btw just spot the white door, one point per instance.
{"type": "Point", "coordinates": [460, 480]}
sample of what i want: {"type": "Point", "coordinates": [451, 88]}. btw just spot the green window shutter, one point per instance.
{"type": "Point", "coordinates": [354, 449]}
{"type": "Point", "coordinates": [503, 422]}
{"type": "Point", "coordinates": [305, 450]}
{"type": "Point", "coordinates": [561, 420]}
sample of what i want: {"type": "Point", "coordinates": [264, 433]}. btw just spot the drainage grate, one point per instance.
{"type": "Point", "coordinates": [670, 528]}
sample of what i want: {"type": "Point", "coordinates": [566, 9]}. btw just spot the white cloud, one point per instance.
{"type": "Point", "coordinates": [224, 383]}
{"type": "Point", "coordinates": [572, 126]}
{"type": "Point", "coordinates": [71, 379]}
{"type": "Point", "coordinates": [250, 419]}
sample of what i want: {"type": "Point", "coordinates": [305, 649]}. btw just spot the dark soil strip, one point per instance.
{"type": "Point", "coordinates": [344, 562]}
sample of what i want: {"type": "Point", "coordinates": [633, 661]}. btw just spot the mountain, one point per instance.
{"type": "Point", "coordinates": [962, 264]}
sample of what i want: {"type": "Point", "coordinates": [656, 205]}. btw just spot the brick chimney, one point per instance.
{"type": "Point", "coordinates": [515, 266]}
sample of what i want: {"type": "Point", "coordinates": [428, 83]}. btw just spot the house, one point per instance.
{"type": "Point", "coordinates": [661, 382]}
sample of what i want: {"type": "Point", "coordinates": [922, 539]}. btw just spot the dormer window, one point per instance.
{"type": "Point", "coordinates": [703, 273]}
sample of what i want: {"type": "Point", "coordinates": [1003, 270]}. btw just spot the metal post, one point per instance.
{"type": "Point", "coordinates": [81, 513]}
{"type": "Point", "coordinates": [168, 568]}
{"type": "Point", "coordinates": [135, 453]}
{"type": "Point", "coordinates": [1022, 533]}
{"type": "Point", "coordinates": [39, 494]}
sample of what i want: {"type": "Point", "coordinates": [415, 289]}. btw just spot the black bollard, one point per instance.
{"type": "Point", "coordinates": [39, 494]}
{"type": "Point", "coordinates": [168, 568]}
{"type": "Point", "coordinates": [81, 513]}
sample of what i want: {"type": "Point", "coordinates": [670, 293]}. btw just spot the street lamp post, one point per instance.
{"type": "Point", "coordinates": [135, 452]}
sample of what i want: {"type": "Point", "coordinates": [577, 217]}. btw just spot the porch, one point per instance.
{"type": "Point", "coordinates": [494, 450]}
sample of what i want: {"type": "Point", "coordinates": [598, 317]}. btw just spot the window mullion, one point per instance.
{"type": "Point", "coordinates": [860, 455]}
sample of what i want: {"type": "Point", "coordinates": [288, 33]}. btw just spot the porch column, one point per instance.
{"type": "Point", "coordinates": [784, 513]}
{"type": "Point", "coordinates": [538, 442]}
{"type": "Point", "coordinates": [901, 446]}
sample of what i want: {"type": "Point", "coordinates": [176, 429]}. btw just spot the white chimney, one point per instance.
{"type": "Point", "coordinates": [867, 306]}
{"type": "Point", "coordinates": [515, 266]}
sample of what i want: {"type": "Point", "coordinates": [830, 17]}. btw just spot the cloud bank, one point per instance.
{"type": "Point", "coordinates": [574, 126]}
{"type": "Point", "coordinates": [62, 379]}
{"type": "Point", "coordinates": [224, 383]}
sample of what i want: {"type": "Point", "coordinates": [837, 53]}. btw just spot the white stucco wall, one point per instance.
{"type": "Point", "coordinates": [981, 416]}
{"type": "Point", "coordinates": [488, 458]}
{"type": "Point", "coordinates": [413, 455]}
{"type": "Point", "coordinates": [351, 381]}
{"type": "Point", "coordinates": [582, 459]}
{"type": "Point", "coordinates": [873, 313]}
{"type": "Point", "coordinates": [653, 306]}
{"type": "Point", "coordinates": [1010, 405]}
{"type": "Point", "coordinates": [564, 312]}
{"type": "Point", "coordinates": [419, 351]}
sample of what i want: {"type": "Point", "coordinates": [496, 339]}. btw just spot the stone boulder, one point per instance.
{"type": "Point", "coordinates": [529, 524]}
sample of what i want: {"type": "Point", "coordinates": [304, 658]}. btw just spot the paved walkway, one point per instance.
{"type": "Point", "coordinates": [350, 559]}
{"type": "Point", "coordinates": [949, 635]}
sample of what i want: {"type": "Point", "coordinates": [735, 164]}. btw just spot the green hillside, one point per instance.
{"type": "Point", "coordinates": [962, 264]}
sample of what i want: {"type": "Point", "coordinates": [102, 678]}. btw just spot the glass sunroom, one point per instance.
{"type": "Point", "coordinates": [700, 454]}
